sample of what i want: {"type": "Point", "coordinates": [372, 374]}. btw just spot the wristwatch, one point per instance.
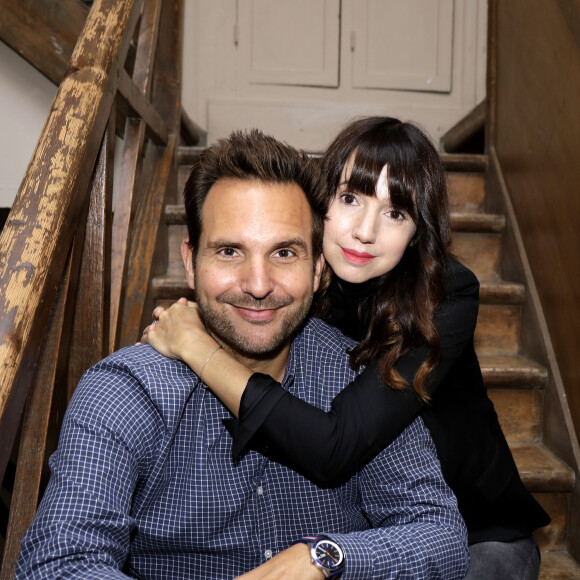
{"type": "Point", "coordinates": [325, 554]}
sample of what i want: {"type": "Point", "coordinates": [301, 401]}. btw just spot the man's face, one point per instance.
{"type": "Point", "coordinates": [254, 273]}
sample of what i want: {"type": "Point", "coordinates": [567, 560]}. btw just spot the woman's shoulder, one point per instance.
{"type": "Point", "coordinates": [459, 278]}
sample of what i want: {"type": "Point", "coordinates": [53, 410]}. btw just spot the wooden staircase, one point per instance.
{"type": "Point", "coordinates": [516, 383]}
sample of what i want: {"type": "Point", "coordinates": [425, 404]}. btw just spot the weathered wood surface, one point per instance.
{"type": "Point", "coordinates": [166, 97]}
{"type": "Point", "coordinates": [130, 170]}
{"type": "Point", "coordinates": [33, 440]}
{"type": "Point", "coordinates": [90, 329]}
{"type": "Point", "coordinates": [41, 225]}
{"type": "Point", "coordinates": [44, 32]}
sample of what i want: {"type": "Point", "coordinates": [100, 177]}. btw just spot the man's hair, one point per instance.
{"type": "Point", "coordinates": [252, 156]}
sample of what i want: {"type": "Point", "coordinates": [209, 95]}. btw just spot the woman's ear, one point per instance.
{"type": "Point", "coordinates": [187, 256]}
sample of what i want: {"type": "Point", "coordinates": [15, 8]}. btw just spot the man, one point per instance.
{"type": "Point", "coordinates": [143, 483]}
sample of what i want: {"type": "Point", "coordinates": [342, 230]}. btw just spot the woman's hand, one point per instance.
{"type": "Point", "coordinates": [178, 331]}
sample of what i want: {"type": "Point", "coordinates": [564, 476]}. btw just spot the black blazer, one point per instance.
{"type": "Point", "coordinates": [327, 447]}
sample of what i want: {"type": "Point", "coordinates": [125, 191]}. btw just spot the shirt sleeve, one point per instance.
{"type": "Point", "coordinates": [366, 415]}
{"type": "Point", "coordinates": [417, 531]}
{"type": "Point", "coordinates": [83, 525]}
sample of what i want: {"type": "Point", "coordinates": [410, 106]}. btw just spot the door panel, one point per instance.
{"type": "Point", "coordinates": [402, 45]}
{"type": "Point", "coordinates": [291, 43]}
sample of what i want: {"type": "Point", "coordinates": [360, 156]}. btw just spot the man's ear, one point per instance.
{"type": "Point", "coordinates": [187, 256]}
{"type": "Point", "coordinates": [318, 267]}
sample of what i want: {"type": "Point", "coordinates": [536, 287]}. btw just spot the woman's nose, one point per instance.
{"type": "Point", "coordinates": [365, 230]}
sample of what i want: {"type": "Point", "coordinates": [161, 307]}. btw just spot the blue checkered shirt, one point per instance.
{"type": "Point", "coordinates": [143, 484]}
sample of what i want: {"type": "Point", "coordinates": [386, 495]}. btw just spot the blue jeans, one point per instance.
{"type": "Point", "coordinates": [517, 560]}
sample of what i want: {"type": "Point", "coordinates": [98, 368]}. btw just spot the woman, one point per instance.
{"type": "Point", "coordinates": [413, 308]}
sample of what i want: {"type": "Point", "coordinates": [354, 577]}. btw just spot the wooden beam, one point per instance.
{"type": "Point", "coordinates": [44, 32]}
{"type": "Point", "coordinates": [136, 105]}
{"type": "Point", "coordinates": [41, 225]}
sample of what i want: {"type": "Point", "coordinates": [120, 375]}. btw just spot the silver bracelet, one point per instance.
{"type": "Point", "coordinates": [206, 361]}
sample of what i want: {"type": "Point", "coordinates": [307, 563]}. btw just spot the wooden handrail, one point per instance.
{"type": "Point", "coordinates": [40, 227]}
{"type": "Point", "coordinates": [55, 262]}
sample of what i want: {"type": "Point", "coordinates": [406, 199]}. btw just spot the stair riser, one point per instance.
{"type": "Point", "coordinates": [519, 412]}
{"type": "Point", "coordinates": [466, 191]}
{"type": "Point", "coordinates": [176, 234]}
{"type": "Point", "coordinates": [553, 537]}
{"type": "Point", "coordinates": [498, 328]}
{"type": "Point", "coordinates": [479, 252]}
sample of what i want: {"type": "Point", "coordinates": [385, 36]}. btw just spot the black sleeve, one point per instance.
{"type": "Point", "coordinates": [327, 447]}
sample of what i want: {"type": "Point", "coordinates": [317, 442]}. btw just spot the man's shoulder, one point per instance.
{"type": "Point", "coordinates": [319, 336]}
{"type": "Point", "coordinates": [139, 372]}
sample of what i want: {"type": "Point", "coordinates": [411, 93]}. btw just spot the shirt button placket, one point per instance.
{"type": "Point", "coordinates": [266, 519]}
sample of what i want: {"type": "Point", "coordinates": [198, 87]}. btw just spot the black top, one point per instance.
{"type": "Point", "coordinates": [327, 447]}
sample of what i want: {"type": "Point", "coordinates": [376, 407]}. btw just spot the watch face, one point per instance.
{"type": "Point", "coordinates": [328, 554]}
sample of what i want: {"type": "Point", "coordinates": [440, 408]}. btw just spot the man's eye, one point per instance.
{"type": "Point", "coordinates": [228, 252]}
{"type": "Point", "coordinates": [285, 253]}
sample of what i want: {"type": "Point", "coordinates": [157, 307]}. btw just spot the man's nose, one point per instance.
{"type": "Point", "coordinates": [365, 229]}
{"type": "Point", "coordinates": [257, 278]}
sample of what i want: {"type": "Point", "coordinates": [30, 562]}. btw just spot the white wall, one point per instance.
{"type": "Point", "coordinates": [224, 50]}
{"type": "Point", "coordinates": [25, 100]}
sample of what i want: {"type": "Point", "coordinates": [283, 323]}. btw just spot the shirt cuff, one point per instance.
{"type": "Point", "coordinates": [258, 400]}
{"type": "Point", "coordinates": [358, 555]}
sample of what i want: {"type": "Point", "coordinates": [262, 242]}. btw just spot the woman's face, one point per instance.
{"type": "Point", "coordinates": [364, 237]}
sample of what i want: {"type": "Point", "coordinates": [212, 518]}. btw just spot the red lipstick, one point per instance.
{"type": "Point", "coordinates": [357, 257]}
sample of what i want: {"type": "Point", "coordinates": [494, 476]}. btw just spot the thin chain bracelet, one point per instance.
{"type": "Point", "coordinates": [206, 361]}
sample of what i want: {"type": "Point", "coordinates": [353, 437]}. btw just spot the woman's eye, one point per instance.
{"type": "Point", "coordinates": [348, 198]}
{"type": "Point", "coordinates": [396, 215]}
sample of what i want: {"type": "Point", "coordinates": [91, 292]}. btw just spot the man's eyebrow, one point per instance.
{"type": "Point", "coordinates": [292, 243]}
{"type": "Point", "coordinates": [288, 243]}
{"type": "Point", "coordinates": [223, 243]}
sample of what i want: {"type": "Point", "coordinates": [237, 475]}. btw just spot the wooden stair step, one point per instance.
{"type": "Point", "coordinates": [519, 412]}
{"type": "Point", "coordinates": [451, 162]}
{"type": "Point", "coordinates": [498, 329]}
{"type": "Point", "coordinates": [466, 192]}
{"type": "Point", "coordinates": [460, 221]}
{"type": "Point", "coordinates": [170, 287]}
{"type": "Point", "coordinates": [473, 163]}
{"type": "Point", "coordinates": [512, 371]}
{"type": "Point", "coordinates": [540, 469]}
{"type": "Point", "coordinates": [501, 292]}
{"type": "Point", "coordinates": [186, 154]}
{"type": "Point", "coordinates": [480, 252]}
{"type": "Point", "coordinates": [477, 222]}
{"type": "Point", "coordinates": [559, 566]}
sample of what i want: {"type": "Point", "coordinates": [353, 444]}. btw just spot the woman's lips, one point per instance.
{"type": "Point", "coordinates": [357, 257]}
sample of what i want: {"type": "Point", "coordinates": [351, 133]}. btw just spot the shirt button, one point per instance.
{"type": "Point", "coordinates": [268, 554]}
{"type": "Point", "coordinates": [260, 491]}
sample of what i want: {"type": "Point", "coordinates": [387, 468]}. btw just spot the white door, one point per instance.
{"type": "Point", "coordinates": [299, 69]}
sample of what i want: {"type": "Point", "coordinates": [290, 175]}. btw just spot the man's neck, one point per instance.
{"type": "Point", "coordinates": [275, 366]}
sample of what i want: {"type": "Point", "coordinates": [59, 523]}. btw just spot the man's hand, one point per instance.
{"type": "Point", "coordinates": [292, 563]}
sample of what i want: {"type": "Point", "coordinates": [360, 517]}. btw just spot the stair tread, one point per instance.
{"type": "Point", "coordinates": [491, 291]}
{"type": "Point", "coordinates": [451, 161]}
{"type": "Point", "coordinates": [464, 162]}
{"type": "Point", "coordinates": [460, 221]}
{"type": "Point", "coordinates": [501, 292]}
{"type": "Point", "coordinates": [559, 566]}
{"type": "Point", "coordinates": [512, 371]}
{"type": "Point", "coordinates": [477, 222]}
{"type": "Point", "coordinates": [540, 469]}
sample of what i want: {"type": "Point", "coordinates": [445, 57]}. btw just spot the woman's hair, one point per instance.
{"type": "Point", "coordinates": [400, 313]}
